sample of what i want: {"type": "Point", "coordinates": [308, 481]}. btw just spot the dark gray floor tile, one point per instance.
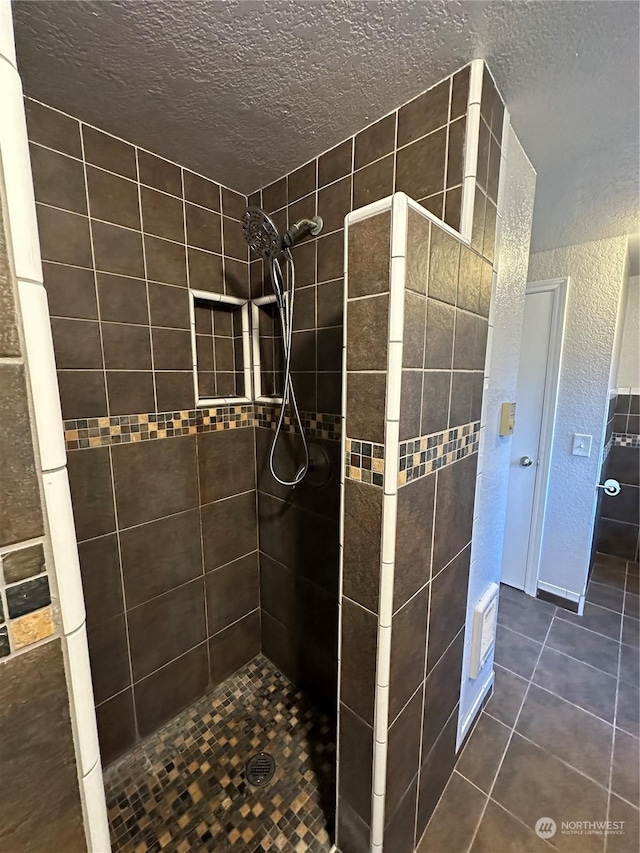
{"type": "Point", "coordinates": [532, 784]}
{"type": "Point", "coordinates": [630, 664]}
{"type": "Point", "coordinates": [500, 831]}
{"type": "Point", "coordinates": [630, 632]}
{"type": "Point", "coordinates": [552, 723]}
{"type": "Point", "coordinates": [577, 682]}
{"type": "Point", "coordinates": [628, 712]}
{"type": "Point", "coordinates": [584, 645]}
{"type": "Point", "coordinates": [605, 596]}
{"type": "Point", "coordinates": [515, 652]}
{"type": "Point", "coordinates": [633, 584]}
{"type": "Point", "coordinates": [508, 693]}
{"type": "Point", "coordinates": [522, 613]}
{"type": "Point", "coordinates": [609, 575]}
{"type": "Point", "coordinates": [483, 753]}
{"type": "Point", "coordinates": [626, 761]}
{"type": "Point", "coordinates": [631, 605]}
{"type": "Point", "coordinates": [454, 821]}
{"type": "Point", "coordinates": [595, 618]}
{"type": "Point", "coordinates": [629, 836]}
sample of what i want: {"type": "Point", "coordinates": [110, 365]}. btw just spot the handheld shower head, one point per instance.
{"type": "Point", "coordinates": [261, 233]}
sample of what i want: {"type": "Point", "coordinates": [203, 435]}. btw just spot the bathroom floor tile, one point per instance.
{"type": "Point", "coordinates": [184, 788]}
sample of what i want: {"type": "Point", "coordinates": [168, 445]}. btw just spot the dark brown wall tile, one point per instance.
{"type": "Point", "coordinates": [153, 636]}
{"type": "Point", "coordinates": [162, 215]}
{"type": "Point", "coordinates": [117, 249]}
{"type": "Point", "coordinates": [112, 198]}
{"type": "Point", "coordinates": [171, 349]}
{"type": "Point", "coordinates": [23, 563]}
{"type": "Point", "coordinates": [408, 651]}
{"type": "Point", "coordinates": [441, 692]}
{"type": "Point", "coordinates": [233, 204]}
{"type": "Point", "coordinates": [374, 182]}
{"type": "Point", "coordinates": [58, 180]}
{"type": "Point", "coordinates": [436, 769]}
{"type": "Point", "coordinates": [159, 173]}
{"type": "Point", "coordinates": [424, 114]}
{"type": "Point", "coordinates": [38, 773]}
{"type": "Point", "coordinates": [368, 333]}
{"type": "Point", "coordinates": [53, 129]}
{"type": "Point", "coordinates": [234, 243]}
{"type": "Point", "coordinates": [302, 181]}
{"type": "Point", "coordinates": [130, 392]}
{"type": "Point", "coordinates": [420, 167]}
{"type": "Point", "coordinates": [353, 834]}
{"type": "Point", "coordinates": [357, 676]}
{"type": "Point", "coordinates": [453, 207]}
{"type": "Point", "coordinates": [356, 760]}
{"type": "Point", "coordinates": [415, 306]}
{"type": "Point", "coordinates": [226, 463]}
{"type": "Point", "coordinates": [464, 351]}
{"type": "Point", "coordinates": [64, 237]}
{"type": "Point", "coordinates": [82, 393]}
{"type": "Point", "coordinates": [435, 401]}
{"type": "Point", "coordinates": [116, 726]}
{"type": "Point", "coordinates": [71, 292]}
{"type": "Point", "coordinates": [205, 271]}
{"type": "Point", "coordinates": [101, 582]}
{"type": "Point", "coordinates": [330, 251]}
{"type": "Point", "coordinates": [335, 163]}
{"type": "Point", "coordinates": [76, 344]}
{"type": "Point", "coordinates": [174, 391]}
{"type": "Point", "coordinates": [334, 202]}
{"type": "Point", "coordinates": [229, 529]}
{"type": "Point", "coordinates": [448, 604]}
{"type": "Point", "coordinates": [362, 537]}
{"type": "Point", "coordinates": [455, 152]}
{"type": "Point", "coordinates": [460, 92]}
{"type": "Point", "coordinates": [160, 555]}
{"type": "Point", "coordinates": [400, 826]}
{"type": "Point", "coordinates": [154, 479]}
{"type": "Point", "coordinates": [167, 691]}
{"type": "Point", "coordinates": [469, 280]}
{"type": "Point", "coordinates": [203, 228]}
{"type": "Point", "coordinates": [122, 300]}
{"type": "Point", "coordinates": [91, 491]}
{"type": "Point", "coordinates": [274, 196]}
{"type": "Point", "coordinates": [168, 306]}
{"type": "Point", "coordinates": [232, 591]}
{"type": "Point", "coordinates": [330, 297]}
{"type": "Point", "coordinates": [126, 347]}
{"type": "Point", "coordinates": [110, 153]}
{"type": "Point", "coordinates": [369, 251]}
{"type": "Point", "coordinates": [410, 397]}
{"type": "Point", "coordinates": [201, 190]}
{"type": "Point", "coordinates": [413, 552]}
{"type": "Point", "coordinates": [375, 141]}
{"type": "Point", "coordinates": [403, 752]}
{"type": "Point", "coordinates": [366, 406]}
{"type": "Point", "coordinates": [418, 239]}
{"type": "Point", "coordinates": [233, 647]}
{"type": "Point", "coordinates": [434, 204]}
{"type": "Point", "coordinates": [443, 266]}
{"type": "Point", "coordinates": [109, 656]}
{"type": "Point", "coordinates": [165, 261]}
{"type": "Point", "coordinates": [461, 398]}
{"type": "Point", "coordinates": [454, 510]}
{"type": "Point", "coordinates": [439, 341]}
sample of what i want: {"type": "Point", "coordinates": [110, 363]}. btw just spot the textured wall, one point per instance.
{"type": "Point", "coordinates": [596, 272]}
{"type": "Point", "coordinates": [629, 363]}
{"type": "Point", "coordinates": [505, 319]}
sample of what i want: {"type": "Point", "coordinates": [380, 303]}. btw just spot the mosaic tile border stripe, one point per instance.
{"type": "Point", "coordinates": [127, 429]}
{"type": "Point", "coordinates": [418, 456]}
{"type": "Point", "coordinates": [26, 615]}
{"type": "Point", "coordinates": [365, 461]}
{"type": "Point", "coordinates": [622, 439]}
{"type": "Point", "coordinates": [316, 424]}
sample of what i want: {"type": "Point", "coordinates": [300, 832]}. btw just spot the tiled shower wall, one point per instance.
{"type": "Point", "coordinates": [617, 530]}
{"type": "Point", "coordinates": [419, 149]}
{"type": "Point", "coordinates": [39, 793]}
{"type": "Point", "coordinates": [164, 496]}
{"type": "Point", "coordinates": [417, 318]}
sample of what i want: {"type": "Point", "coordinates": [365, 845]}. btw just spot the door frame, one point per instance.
{"type": "Point", "coordinates": [559, 288]}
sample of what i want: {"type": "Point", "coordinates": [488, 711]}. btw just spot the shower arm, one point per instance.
{"type": "Point", "coordinates": [300, 229]}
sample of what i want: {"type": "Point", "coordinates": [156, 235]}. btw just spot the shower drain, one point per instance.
{"type": "Point", "coordinates": [260, 769]}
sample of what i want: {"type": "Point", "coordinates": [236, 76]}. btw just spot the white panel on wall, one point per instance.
{"type": "Point", "coordinates": [597, 272]}
{"type": "Point", "coordinates": [629, 363]}
{"type": "Point", "coordinates": [7, 47]}
{"type": "Point", "coordinates": [507, 310]}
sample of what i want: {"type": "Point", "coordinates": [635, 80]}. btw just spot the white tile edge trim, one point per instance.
{"type": "Point", "coordinates": [7, 47]}
{"type": "Point", "coordinates": [560, 592]}
{"type": "Point", "coordinates": [81, 695]}
{"type": "Point", "coordinates": [95, 810]}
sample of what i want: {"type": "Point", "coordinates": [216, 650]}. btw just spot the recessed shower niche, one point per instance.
{"type": "Point", "coordinates": [266, 339]}
{"type": "Point", "coordinates": [221, 345]}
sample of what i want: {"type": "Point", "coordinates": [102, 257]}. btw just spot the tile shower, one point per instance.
{"type": "Point", "coordinates": [201, 574]}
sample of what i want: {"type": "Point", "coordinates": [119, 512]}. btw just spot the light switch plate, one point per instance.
{"type": "Point", "coordinates": [581, 445]}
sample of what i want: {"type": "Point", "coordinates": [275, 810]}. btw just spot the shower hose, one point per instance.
{"type": "Point", "coordinates": [284, 300]}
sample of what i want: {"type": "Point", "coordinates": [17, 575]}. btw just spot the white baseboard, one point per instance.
{"type": "Point", "coordinates": [466, 724]}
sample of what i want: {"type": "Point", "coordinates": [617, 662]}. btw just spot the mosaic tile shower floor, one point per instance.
{"type": "Point", "coordinates": [184, 790]}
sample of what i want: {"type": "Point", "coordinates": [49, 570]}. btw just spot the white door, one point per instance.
{"type": "Point", "coordinates": [536, 394]}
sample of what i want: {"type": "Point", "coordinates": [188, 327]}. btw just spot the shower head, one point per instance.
{"type": "Point", "coordinates": [261, 233]}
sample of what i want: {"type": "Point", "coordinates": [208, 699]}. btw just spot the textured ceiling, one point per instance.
{"type": "Point", "coordinates": [246, 91]}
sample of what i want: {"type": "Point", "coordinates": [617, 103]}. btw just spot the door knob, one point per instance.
{"type": "Point", "coordinates": [526, 461]}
